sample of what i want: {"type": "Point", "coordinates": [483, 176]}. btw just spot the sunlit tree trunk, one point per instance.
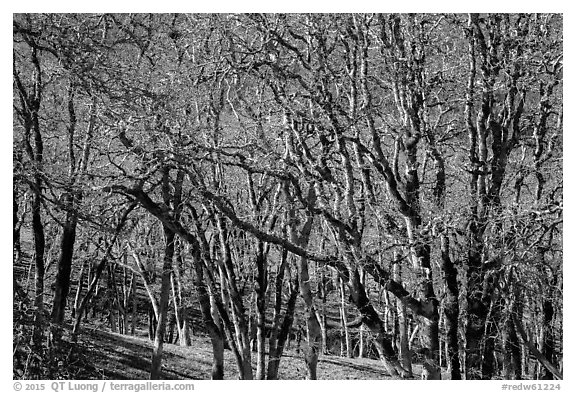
{"type": "Point", "coordinates": [344, 322]}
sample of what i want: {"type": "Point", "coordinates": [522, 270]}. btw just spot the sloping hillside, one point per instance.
{"type": "Point", "coordinates": [115, 356]}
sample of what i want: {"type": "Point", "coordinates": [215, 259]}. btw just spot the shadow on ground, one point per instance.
{"type": "Point", "coordinates": [115, 356]}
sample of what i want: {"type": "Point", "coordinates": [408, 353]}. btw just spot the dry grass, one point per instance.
{"type": "Point", "coordinates": [116, 356]}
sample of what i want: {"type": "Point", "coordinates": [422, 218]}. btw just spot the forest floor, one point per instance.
{"type": "Point", "coordinates": [116, 356]}
{"type": "Point", "coordinates": [101, 354]}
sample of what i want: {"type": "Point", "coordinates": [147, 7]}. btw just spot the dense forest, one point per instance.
{"type": "Point", "coordinates": [383, 186]}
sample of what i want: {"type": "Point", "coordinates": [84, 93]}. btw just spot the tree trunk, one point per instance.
{"type": "Point", "coordinates": [172, 322]}
{"type": "Point", "coordinates": [126, 294]}
{"type": "Point", "coordinates": [451, 308]}
{"type": "Point", "coordinates": [420, 256]}
{"type": "Point", "coordinates": [261, 287]}
{"type": "Point", "coordinates": [488, 358]}
{"type": "Point", "coordinates": [344, 320]}
{"type": "Point", "coordinates": [512, 351]}
{"type": "Point", "coordinates": [112, 300]}
{"type": "Point", "coordinates": [477, 308]}
{"type": "Point", "coordinates": [79, 290]}
{"type": "Point", "coordinates": [17, 225]}
{"type": "Point", "coordinates": [237, 309]}
{"type": "Point", "coordinates": [362, 339]}
{"type": "Point", "coordinates": [314, 333]}
{"type": "Point", "coordinates": [404, 350]}
{"type": "Point", "coordinates": [533, 350]}
{"type": "Point", "coordinates": [277, 312]}
{"type": "Point", "coordinates": [39, 249]}
{"type": "Point", "coordinates": [301, 238]}
{"type": "Point", "coordinates": [283, 334]}
{"type": "Point", "coordinates": [322, 311]}
{"type": "Point", "coordinates": [177, 316]}
{"type": "Point", "coordinates": [216, 337]}
{"type": "Point", "coordinates": [280, 330]}
{"type": "Point", "coordinates": [155, 372]}
{"type": "Point", "coordinates": [373, 322]}
{"type": "Point", "coordinates": [182, 318]}
{"type": "Point", "coordinates": [91, 288]}
{"type": "Point", "coordinates": [219, 306]}
{"type": "Point", "coordinates": [29, 113]}
{"type": "Point", "coordinates": [169, 238]}
{"type": "Point", "coordinates": [71, 201]}
{"type": "Point", "coordinates": [134, 305]}
{"type": "Point", "coordinates": [550, 282]}
{"type": "Point", "coordinates": [152, 323]}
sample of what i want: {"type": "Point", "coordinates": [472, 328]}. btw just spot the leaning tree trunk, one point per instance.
{"type": "Point", "coordinates": [372, 321]}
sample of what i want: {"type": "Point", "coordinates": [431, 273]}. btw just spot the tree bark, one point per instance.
{"type": "Point", "coordinates": [237, 309]}
{"type": "Point", "coordinates": [184, 325]}
{"type": "Point", "coordinates": [451, 308]}
{"type": "Point", "coordinates": [512, 363]}
{"type": "Point", "coordinates": [283, 334]}
{"type": "Point", "coordinates": [79, 290]}
{"type": "Point", "coordinates": [261, 287]}
{"type": "Point", "coordinates": [155, 372]}
{"type": "Point", "coordinates": [134, 305]}
{"type": "Point", "coordinates": [301, 238]}
{"type": "Point", "coordinates": [72, 199]}
{"type": "Point", "coordinates": [39, 249]}
{"type": "Point", "coordinates": [534, 351]}
{"type": "Point", "coordinates": [30, 100]}
{"type": "Point", "coordinates": [314, 333]}
{"type": "Point", "coordinates": [216, 337]}
{"type": "Point", "coordinates": [373, 322]}
{"type": "Point", "coordinates": [64, 267]}
{"type": "Point", "coordinates": [99, 269]}
{"type": "Point", "coordinates": [344, 321]}
{"type": "Point", "coordinates": [91, 289]}
{"type": "Point", "coordinates": [281, 328]}
{"type": "Point", "coordinates": [404, 352]}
